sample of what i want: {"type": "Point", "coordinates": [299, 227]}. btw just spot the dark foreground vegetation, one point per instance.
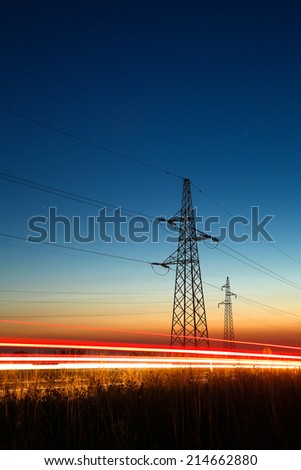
{"type": "Point", "coordinates": [168, 409]}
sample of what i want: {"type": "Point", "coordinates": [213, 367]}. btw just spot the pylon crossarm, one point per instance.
{"type": "Point", "coordinates": [204, 236]}
{"type": "Point", "coordinates": [172, 259]}
{"type": "Point", "coordinates": [175, 218]}
{"type": "Point", "coordinates": [172, 220]}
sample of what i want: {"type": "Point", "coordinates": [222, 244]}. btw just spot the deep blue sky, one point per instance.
{"type": "Point", "coordinates": [208, 90]}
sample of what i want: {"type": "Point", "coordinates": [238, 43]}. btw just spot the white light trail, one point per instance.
{"type": "Point", "coordinates": [27, 362]}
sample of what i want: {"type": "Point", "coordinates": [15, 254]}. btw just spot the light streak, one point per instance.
{"type": "Point", "coordinates": [159, 357]}
{"type": "Point", "coordinates": [142, 363]}
{"type": "Point", "coordinates": [150, 349]}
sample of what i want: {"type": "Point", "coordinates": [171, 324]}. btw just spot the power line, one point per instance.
{"type": "Point", "coordinates": [268, 272]}
{"type": "Point", "coordinates": [79, 249]}
{"type": "Point", "coordinates": [81, 315]}
{"type": "Point", "coordinates": [78, 292]}
{"type": "Point", "coordinates": [93, 202]}
{"type": "Point", "coordinates": [89, 142]}
{"type": "Point", "coordinates": [262, 322]}
{"type": "Point", "coordinates": [123, 302]}
{"type": "Point", "coordinates": [284, 280]}
{"type": "Point", "coordinates": [127, 157]}
{"type": "Point", "coordinates": [211, 199]}
{"type": "Point", "coordinates": [67, 195]}
{"type": "Point", "coordinates": [260, 270]}
{"type": "Point", "coordinates": [232, 215]}
{"type": "Point", "coordinates": [239, 296]}
{"type": "Point", "coordinates": [259, 303]}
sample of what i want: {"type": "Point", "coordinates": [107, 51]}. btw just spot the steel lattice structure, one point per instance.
{"type": "Point", "coordinates": [189, 323]}
{"type": "Point", "coordinates": [228, 317]}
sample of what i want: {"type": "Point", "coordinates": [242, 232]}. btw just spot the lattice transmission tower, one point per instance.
{"type": "Point", "coordinates": [189, 322]}
{"type": "Point", "coordinates": [228, 316]}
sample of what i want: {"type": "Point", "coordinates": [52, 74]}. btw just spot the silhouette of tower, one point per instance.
{"type": "Point", "coordinates": [189, 323]}
{"type": "Point", "coordinates": [228, 317]}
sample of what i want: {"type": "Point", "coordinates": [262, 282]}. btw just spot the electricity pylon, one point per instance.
{"type": "Point", "coordinates": [228, 317]}
{"type": "Point", "coordinates": [189, 323]}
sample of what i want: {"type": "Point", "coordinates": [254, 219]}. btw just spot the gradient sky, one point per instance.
{"type": "Point", "coordinates": [206, 90]}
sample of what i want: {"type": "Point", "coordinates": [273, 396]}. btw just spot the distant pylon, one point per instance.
{"type": "Point", "coordinates": [228, 317]}
{"type": "Point", "coordinates": [189, 322]}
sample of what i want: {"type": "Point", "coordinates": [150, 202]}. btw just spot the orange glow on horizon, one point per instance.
{"type": "Point", "coordinates": [76, 343]}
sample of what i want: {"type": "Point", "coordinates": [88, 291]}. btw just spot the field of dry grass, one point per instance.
{"type": "Point", "coordinates": [148, 409]}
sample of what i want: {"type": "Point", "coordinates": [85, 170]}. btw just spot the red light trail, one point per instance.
{"type": "Point", "coordinates": [121, 356]}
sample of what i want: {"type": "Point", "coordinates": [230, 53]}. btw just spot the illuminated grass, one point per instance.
{"type": "Point", "coordinates": [148, 409]}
